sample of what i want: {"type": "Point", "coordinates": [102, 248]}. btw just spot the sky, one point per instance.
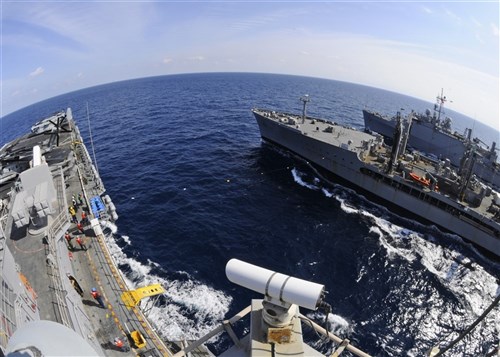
{"type": "Point", "coordinates": [415, 48]}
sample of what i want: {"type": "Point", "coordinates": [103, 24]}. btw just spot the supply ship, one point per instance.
{"type": "Point", "coordinates": [432, 190]}
{"type": "Point", "coordinates": [62, 293]}
{"type": "Point", "coordinates": [432, 133]}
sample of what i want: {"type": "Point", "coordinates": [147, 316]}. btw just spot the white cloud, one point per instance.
{"type": "Point", "coordinates": [453, 16]}
{"type": "Point", "coordinates": [427, 10]}
{"type": "Point", "coordinates": [37, 72]}
{"type": "Point", "coordinates": [395, 66]}
{"type": "Point", "coordinates": [494, 29]}
{"type": "Point", "coordinates": [196, 58]}
{"type": "Point", "coordinates": [100, 33]}
{"type": "Point", "coordinates": [479, 39]}
{"type": "Point", "coordinates": [476, 22]}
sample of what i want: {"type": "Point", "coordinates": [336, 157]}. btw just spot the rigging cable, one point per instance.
{"type": "Point", "coordinates": [91, 140]}
{"type": "Point", "coordinates": [467, 331]}
{"type": "Point", "coordinates": [327, 309]}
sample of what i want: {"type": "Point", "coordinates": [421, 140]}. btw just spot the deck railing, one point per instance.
{"type": "Point", "coordinates": [52, 257]}
{"type": "Point", "coordinates": [226, 326]}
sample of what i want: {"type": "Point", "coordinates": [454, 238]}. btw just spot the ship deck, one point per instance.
{"type": "Point", "coordinates": [46, 260]}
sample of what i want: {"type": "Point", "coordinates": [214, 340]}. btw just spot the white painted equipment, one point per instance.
{"type": "Point", "coordinates": [37, 156]}
{"type": "Point", "coordinates": [278, 288]}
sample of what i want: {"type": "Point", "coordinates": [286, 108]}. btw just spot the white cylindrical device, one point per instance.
{"type": "Point", "coordinates": [277, 286]}
{"type": "Point", "coordinates": [37, 156]}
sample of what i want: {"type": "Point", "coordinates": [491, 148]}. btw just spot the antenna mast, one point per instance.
{"type": "Point", "coordinates": [305, 99]}
{"type": "Point", "coordinates": [440, 100]}
{"type": "Point", "coordinates": [91, 140]}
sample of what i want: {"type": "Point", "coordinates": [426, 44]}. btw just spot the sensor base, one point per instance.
{"type": "Point", "coordinates": [267, 341]}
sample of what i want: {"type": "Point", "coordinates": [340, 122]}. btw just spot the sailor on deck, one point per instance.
{"type": "Point", "coordinates": [97, 296]}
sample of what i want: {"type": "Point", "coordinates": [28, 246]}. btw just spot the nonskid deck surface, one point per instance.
{"type": "Point", "coordinates": [46, 260]}
{"type": "Point", "coordinates": [318, 129]}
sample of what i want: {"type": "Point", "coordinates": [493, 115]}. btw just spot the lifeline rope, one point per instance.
{"type": "Point", "coordinates": [470, 328]}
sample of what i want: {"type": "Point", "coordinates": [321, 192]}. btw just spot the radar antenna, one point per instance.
{"type": "Point", "coordinates": [60, 125]}
{"type": "Point", "coordinates": [438, 107]}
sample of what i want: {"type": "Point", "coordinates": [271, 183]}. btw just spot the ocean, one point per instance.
{"type": "Point", "coordinates": [194, 186]}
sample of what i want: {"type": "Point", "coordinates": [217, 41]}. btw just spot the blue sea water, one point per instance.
{"type": "Point", "coordinates": [182, 159]}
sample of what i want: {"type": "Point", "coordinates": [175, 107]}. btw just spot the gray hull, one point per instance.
{"type": "Point", "coordinates": [425, 137]}
{"type": "Point", "coordinates": [337, 154]}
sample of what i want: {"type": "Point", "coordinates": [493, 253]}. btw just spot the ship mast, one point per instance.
{"type": "Point", "coordinates": [438, 107]}
{"type": "Point", "coordinates": [466, 169]}
{"type": "Point", "coordinates": [305, 99]}
{"type": "Point", "coordinates": [400, 139]}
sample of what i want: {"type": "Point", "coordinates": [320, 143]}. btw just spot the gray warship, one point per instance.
{"type": "Point", "coordinates": [53, 263]}
{"type": "Point", "coordinates": [432, 190]}
{"type": "Point", "coordinates": [432, 133]}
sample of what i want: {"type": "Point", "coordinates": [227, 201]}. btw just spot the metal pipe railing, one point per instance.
{"type": "Point", "coordinates": [221, 328]}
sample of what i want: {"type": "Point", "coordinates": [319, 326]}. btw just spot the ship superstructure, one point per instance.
{"type": "Point", "coordinates": [432, 134]}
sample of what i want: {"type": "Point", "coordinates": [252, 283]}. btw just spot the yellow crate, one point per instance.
{"type": "Point", "coordinates": [139, 341]}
